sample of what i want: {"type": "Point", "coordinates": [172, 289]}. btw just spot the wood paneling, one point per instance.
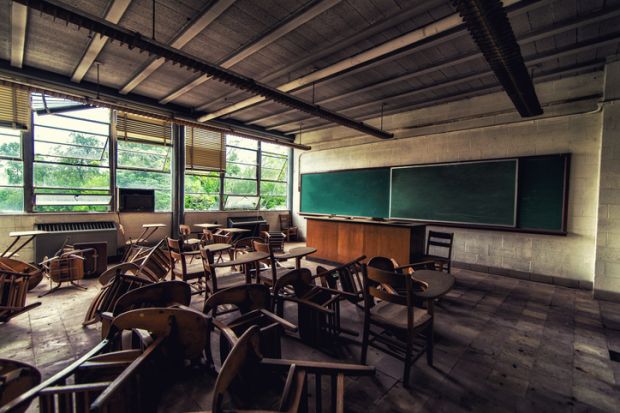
{"type": "Point", "coordinates": [343, 241]}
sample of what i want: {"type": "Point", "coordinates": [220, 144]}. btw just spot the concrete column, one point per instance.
{"type": "Point", "coordinates": [607, 272]}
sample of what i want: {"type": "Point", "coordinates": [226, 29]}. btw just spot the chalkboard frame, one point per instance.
{"type": "Point", "coordinates": [562, 232]}
{"type": "Point", "coordinates": [486, 161]}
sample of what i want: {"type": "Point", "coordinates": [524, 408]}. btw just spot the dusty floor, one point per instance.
{"type": "Point", "coordinates": [502, 344]}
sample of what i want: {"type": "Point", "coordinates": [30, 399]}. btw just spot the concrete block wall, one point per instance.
{"type": "Point", "coordinates": [607, 280]}
{"type": "Point", "coordinates": [574, 128]}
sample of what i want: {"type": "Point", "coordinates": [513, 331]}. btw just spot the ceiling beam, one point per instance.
{"type": "Point", "coordinates": [186, 34]}
{"type": "Point", "coordinates": [116, 10]}
{"type": "Point", "coordinates": [19, 23]}
{"type": "Point", "coordinates": [135, 40]}
{"type": "Point", "coordinates": [485, 90]}
{"type": "Point", "coordinates": [298, 19]}
{"type": "Point", "coordinates": [546, 32]}
{"type": "Point", "coordinates": [448, 25]}
{"type": "Point", "coordinates": [531, 61]}
{"type": "Point", "coordinates": [109, 97]}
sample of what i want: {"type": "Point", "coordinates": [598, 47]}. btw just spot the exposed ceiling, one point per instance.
{"type": "Point", "coordinates": [359, 58]}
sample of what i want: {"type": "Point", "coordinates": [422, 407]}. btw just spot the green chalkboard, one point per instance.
{"type": "Point", "coordinates": [474, 192]}
{"type": "Point", "coordinates": [541, 192]}
{"type": "Point", "coordinates": [359, 192]}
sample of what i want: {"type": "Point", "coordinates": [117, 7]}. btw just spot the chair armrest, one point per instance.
{"type": "Point", "coordinates": [321, 367]}
{"type": "Point", "coordinates": [307, 303]}
{"type": "Point", "coordinates": [284, 323]}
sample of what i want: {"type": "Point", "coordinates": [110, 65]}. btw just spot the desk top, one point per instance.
{"type": "Point", "coordinates": [26, 233]}
{"type": "Point", "coordinates": [207, 225]}
{"type": "Point", "coordinates": [153, 225]}
{"type": "Point", "coordinates": [217, 247]}
{"type": "Point", "coordinates": [439, 283]}
{"type": "Point", "coordinates": [387, 222]}
{"type": "Point", "coordinates": [243, 259]}
{"type": "Point", "coordinates": [295, 253]}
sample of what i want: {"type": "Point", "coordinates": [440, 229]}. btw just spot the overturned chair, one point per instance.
{"type": "Point", "coordinates": [128, 380]}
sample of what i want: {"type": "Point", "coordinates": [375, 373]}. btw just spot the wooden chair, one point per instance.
{"type": "Point", "coordinates": [210, 272]}
{"type": "Point", "coordinates": [256, 383]}
{"type": "Point", "coordinates": [286, 226]}
{"type": "Point", "coordinates": [115, 281]}
{"type": "Point", "coordinates": [193, 273]}
{"type": "Point", "coordinates": [161, 294]}
{"type": "Point", "coordinates": [13, 265]}
{"type": "Point", "coordinates": [318, 308]}
{"type": "Point", "coordinates": [438, 251]}
{"type": "Point", "coordinates": [274, 239]}
{"type": "Point", "coordinates": [68, 267]}
{"type": "Point", "coordinates": [253, 303]}
{"type": "Point", "coordinates": [16, 378]}
{"type": "Point", "coordinates": [393, 325]}
{"type": "Point", "coordinates": [271, 270]}
{"type": "Point", "coordinates": [189, 243]}
{"type": "Point", "coordinates": [347, 278]}
{"type": "Point", "coordinates": [13, 291]}
{"type": "Point", "coordinates": [128, 380]}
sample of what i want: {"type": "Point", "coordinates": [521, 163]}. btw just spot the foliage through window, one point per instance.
{"type": "Point", "coordinates": [274, 176]}
{"type": "Point", "coordinates": [71, 163]}
{"type": "Point", "coordinates": [11, 171]}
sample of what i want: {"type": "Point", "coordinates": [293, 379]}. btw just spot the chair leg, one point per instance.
{"type": "Point", "coordinates": [429, 344]}
{"type": "Point", "coordinates": [365, 341]}
{"type": "Point", "coordinates": [407, 363]}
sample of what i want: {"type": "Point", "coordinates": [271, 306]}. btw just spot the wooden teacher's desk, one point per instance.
{"type": "Point", "coordinates": [342, 240]}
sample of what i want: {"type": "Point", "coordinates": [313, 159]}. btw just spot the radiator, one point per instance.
{"type": "Point", "coordinates": [46, 245]}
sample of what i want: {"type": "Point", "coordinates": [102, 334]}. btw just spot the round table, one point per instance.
{"type": "Point", "coordinates": [297, 253]}
{"type": "Point", "coordinates": [439, 283]}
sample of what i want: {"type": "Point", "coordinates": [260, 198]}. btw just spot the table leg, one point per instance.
{"type": "Point", "coordinates": [298, 262]}
{"type": "Point", "coordinates": [4, 254]}
{"type": "Point", "coordinates": [21, 246]}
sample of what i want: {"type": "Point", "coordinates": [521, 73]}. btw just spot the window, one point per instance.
{"type": "Point", "coordinates": [204, 161]}
{"type": "Point", "coordinates": [143, 156]}
{"type": "Point", "coordinates": [274, 176]}
{"type": "Point", "coordinates": [11, 171]}
{"type": "Point", "coordinates": [241, 179]}
{"type": "Point", "coordinates": [202, 191]}
{"type": "Point", "coordinates": [71, 163]}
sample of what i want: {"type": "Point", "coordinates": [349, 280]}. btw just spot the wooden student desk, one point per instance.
{"type": "Point", "coordinates": [342, 240]}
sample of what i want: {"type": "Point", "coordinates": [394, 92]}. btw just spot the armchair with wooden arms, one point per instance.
{"type": "Point", "coordinates": [438, 254]}
{"type": "Point", "coordinates": [347, 278]}
{"type": "Point", "coordinates": [318, 308]}
{"type": "Point", "coordinates": [392, 323]}
{"type": "Point", "coordinates": [286, 226]}
{"type": "Point", "coordinates": [189, 243]}
{"type": "Point", "coordinates": [182, 266]}
{"type": "Point", "coordinates": [249, 382]}
{"type": "Point", "coordinates": [16, 378]}
{"type": "Point", "coordinates": [252, 302]}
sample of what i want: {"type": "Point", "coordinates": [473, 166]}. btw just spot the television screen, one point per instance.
{"type": "Point", "coordinates": [136, 200]}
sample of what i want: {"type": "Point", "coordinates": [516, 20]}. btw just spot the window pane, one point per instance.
{"type": "Point", "coordinates": [240, 171]}
{"type": "Point", "coordinates": [158, 181]}
{"type": "Point", "coordinates": [240, 202]}
{"type": "Point", "coordinates": [273, 148]}
{"type": "Point", "coordinates": [202, 184]}
{"type": "Point", "coordinates": [240, 187]}
{"type": "Point", "coordinates": [202, 202]}
{"type": "Point", "coordinates": [11, 173]}
{"type": "Point", "coordinates": [71, 176]}
{"type": "Point", "coordinates": [73, 147]}
{"type": "Point", "coordinates": [91, 126]}
{"type": "Point", "coordinates": [274, 168]}
{"type": "Point", "coordinates": [273, 202]}
{"type": "Point", "coordinates": [10, 143]}
{"type": "Point", "coordinates": [273, 188]}
{"type": "Point", "coordinates": [240, 156]}
{"type": "Point", "coordinates": [11, 199]}
{"type": "Point", "coordinates": [241, 142]}
{"type": "Point", "coordinates": [56, 199]}
{"type": "Point", "coordinates": [143, 156]}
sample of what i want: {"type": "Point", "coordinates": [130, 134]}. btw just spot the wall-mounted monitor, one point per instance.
{"type": "Point", "coordinates": [136, 200]}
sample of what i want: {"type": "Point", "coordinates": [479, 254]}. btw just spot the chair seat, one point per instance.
{"type": "Point", "coordinates": [194, 270]}
{"type": "Point", "coordinates": [267, 279]}
{"type": "Point", "coordinates": [395, 315]}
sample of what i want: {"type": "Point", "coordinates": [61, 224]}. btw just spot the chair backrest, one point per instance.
{"type": "Point", "coordinates": [207, 236]}
{"type": "Point", "coordinates": [162, 294]}
{"type": "Point", "coordinates": [285, 221]}
{"type": "Point", "coordinates": [222, 237]}
{"type": "Point", "coordinates": [185, 230]}
{"type": "Point", "coordinates": [16, 378]}
{"type": "Point", "coordinates": [175, 245]}
{"type": "Point", "coordinates": [387, 286]}
{"type": "Point", "coordinates": [299, 279]}
{"type": "Point", "coordinates": [245, 244]}
{"type": "Point", "coordinates": [208, 259]}
{"type": "Point", "coordinates": [439, 244]}
{"type": "Point", "coordinates": [349, 275]}
{"type": "Point", "coordinates": [383, 263]}
{"type": "Point", "coordinates": [245, 297]}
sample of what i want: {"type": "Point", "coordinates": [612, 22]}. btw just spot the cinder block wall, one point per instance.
{"type": "Point", "coordinates": [482, 128]}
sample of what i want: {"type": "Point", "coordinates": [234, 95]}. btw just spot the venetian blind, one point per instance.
{"type": "Point", "coordinates": [205, 150]}
{"type": "Point", "coordinates": [14, 107]}
{"type": "Point", "coordinates": [142, 129]}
